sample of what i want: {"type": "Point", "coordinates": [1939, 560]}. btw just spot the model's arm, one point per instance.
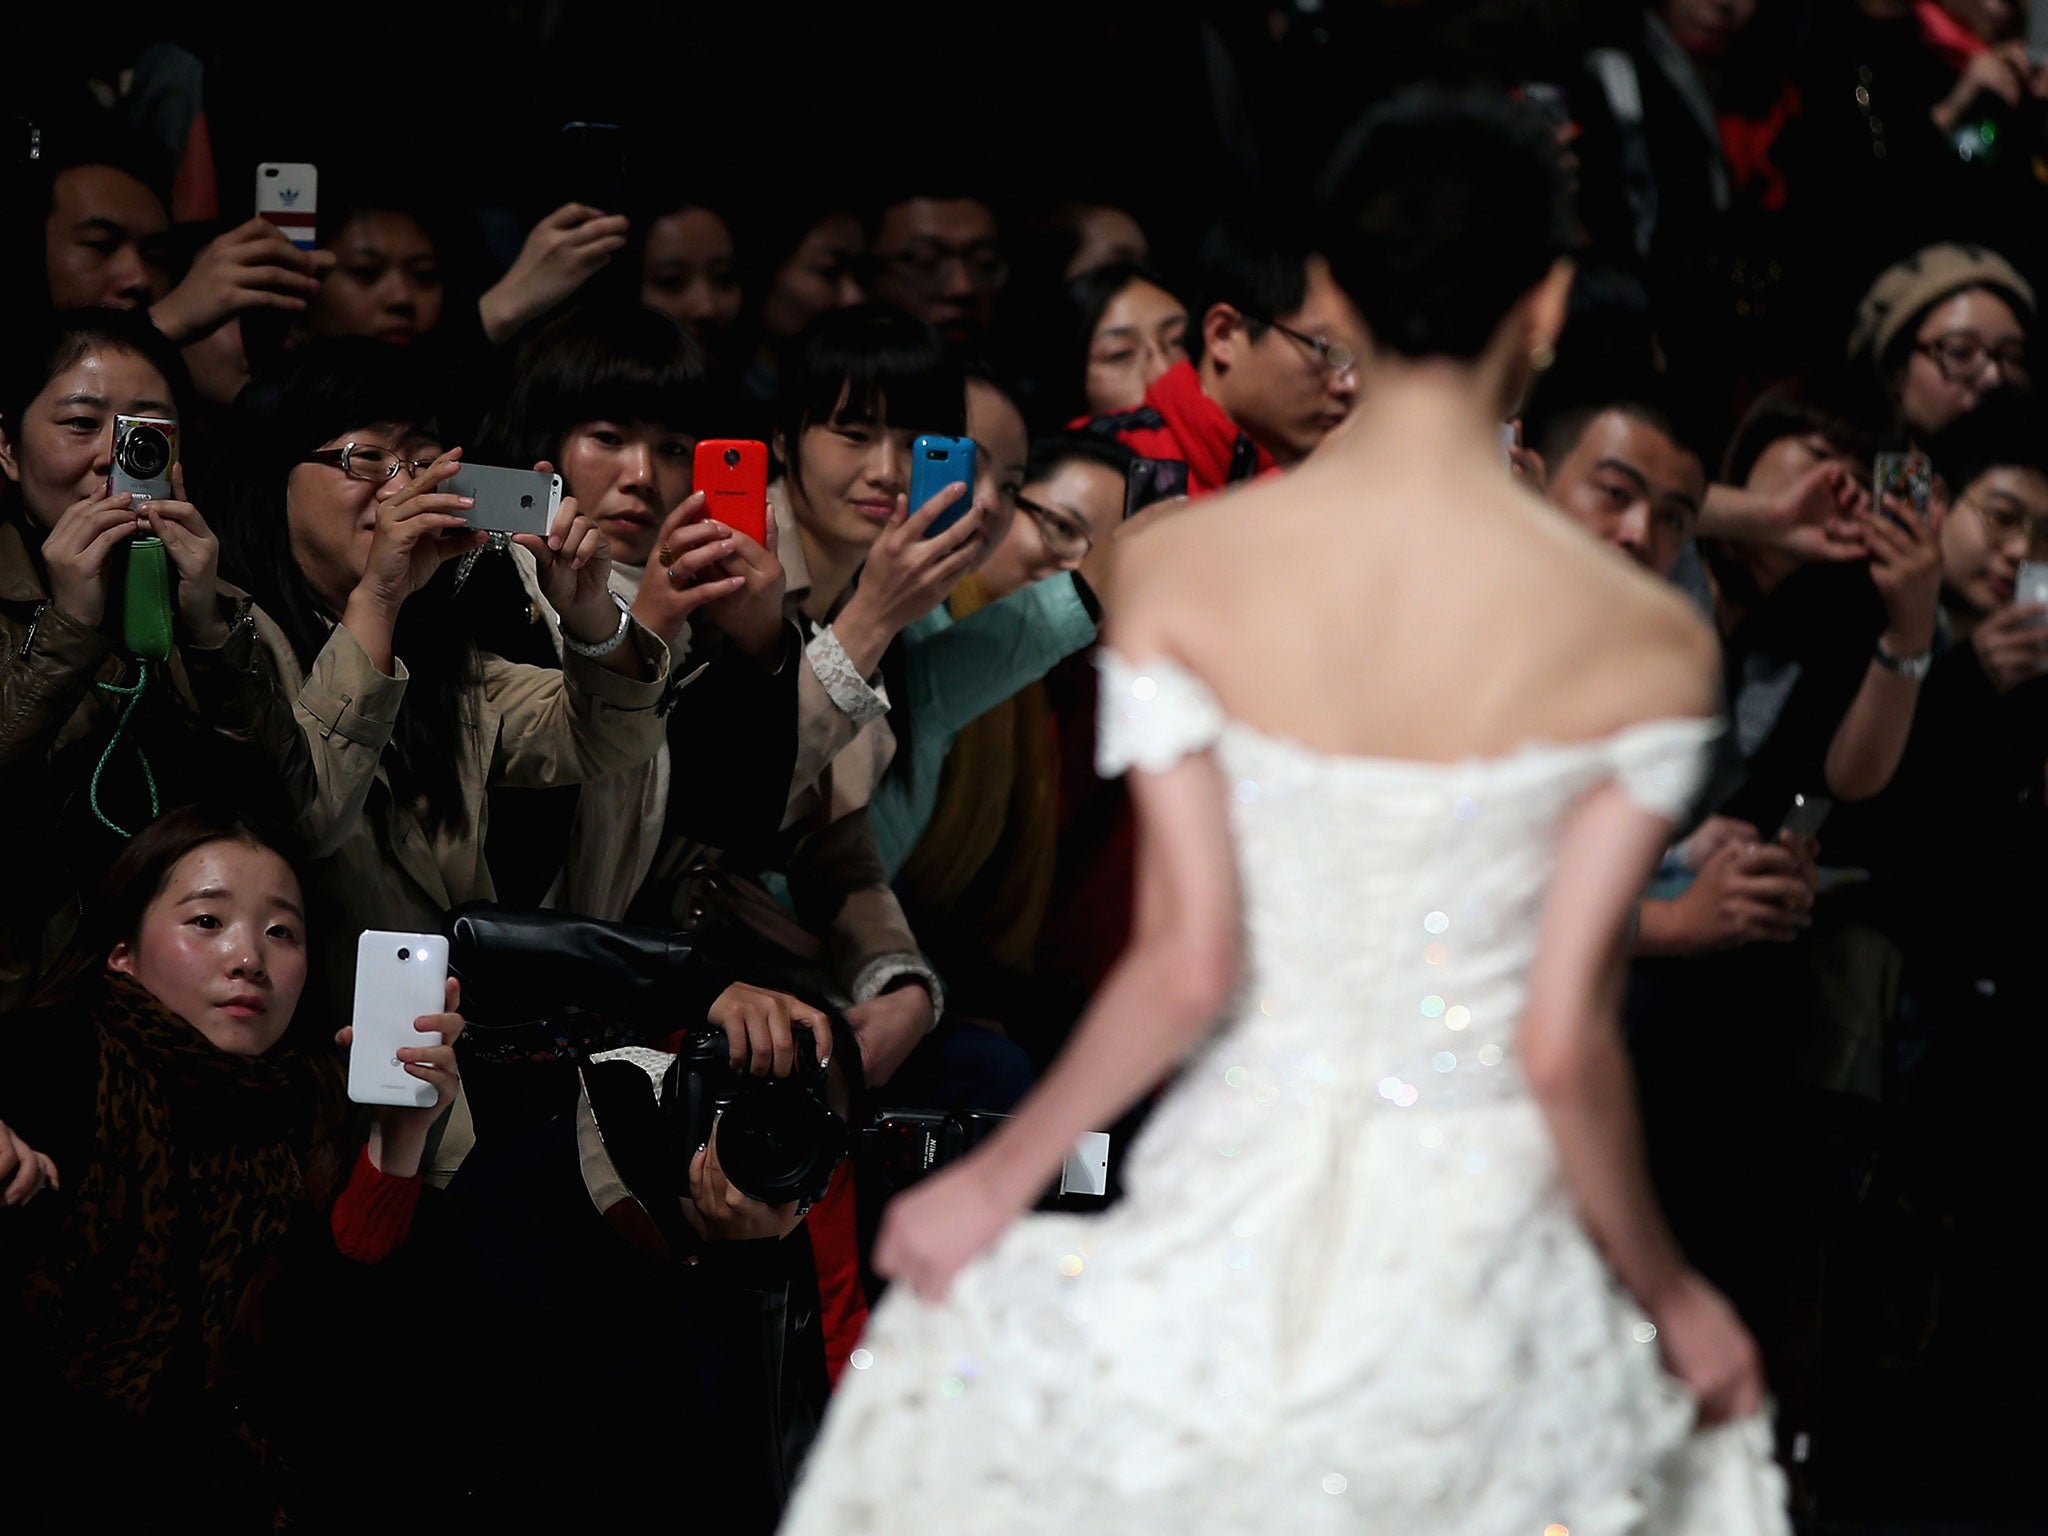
{"type": "Point", "coordinates": [1578, 1071]}
{"type": "Point", "coordinates": [1157, 1001]}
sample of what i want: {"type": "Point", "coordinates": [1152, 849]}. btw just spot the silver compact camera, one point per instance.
{"type": "Point", "coordinates": [145, 448]}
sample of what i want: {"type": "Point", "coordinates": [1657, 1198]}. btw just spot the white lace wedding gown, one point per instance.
{"type": "Point", "coordinates": [1347, 1290]}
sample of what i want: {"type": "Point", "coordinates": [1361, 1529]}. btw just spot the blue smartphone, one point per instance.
{"type": "Point", "coordinates": [935, 463]}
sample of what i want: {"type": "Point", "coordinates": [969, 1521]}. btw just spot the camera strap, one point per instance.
{"type": "Point", "coordinates": [134, 697]}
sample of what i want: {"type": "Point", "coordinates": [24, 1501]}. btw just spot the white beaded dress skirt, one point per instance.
{"type": "Point", "coordinates": [1347, 1290]}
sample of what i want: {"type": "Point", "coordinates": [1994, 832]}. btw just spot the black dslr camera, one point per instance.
{"type": "Point", "coordinates": [779, 1138]}
{"type": "Point", "coordinates": [543, 993]}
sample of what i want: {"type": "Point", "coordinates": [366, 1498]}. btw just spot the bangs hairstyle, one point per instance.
{"type": "Point", "coordinates": [51, 343]}
{"type": "Point", "coordinates": [617, 362]}
{"type": "Point", "coordinates": [869, 365]}
{"type": "Point", "coordinates": [1440, 211]}
{"type": "Point", "coordinates": [321, 391]}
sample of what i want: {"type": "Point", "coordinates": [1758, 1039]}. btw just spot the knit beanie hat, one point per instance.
{"type": "Point", "coordinates": [1906, 290]}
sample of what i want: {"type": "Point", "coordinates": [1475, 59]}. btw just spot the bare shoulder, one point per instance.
{"type": "Point", "coordinates": [1175, 560]}
{"type": "Point", "coordinates": [1665, 658]}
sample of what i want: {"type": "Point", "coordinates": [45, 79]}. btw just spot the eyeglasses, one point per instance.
{"type": "Point", "coordinates": [1961, 356]}
{"type": "Point", "coordinates": [367, 461]}
{"type": "Point", "coordinates": [1065, 539]}
{"type": "Point", "coordinates": [2005, 522]}
{"type": "Point", "coordinates": [925, 263]}
{"type": "Point", "coordinates": [1333, 357]}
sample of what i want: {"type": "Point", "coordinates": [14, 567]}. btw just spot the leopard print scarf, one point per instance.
{"type": "Point", "coordinates": [194, 1180]}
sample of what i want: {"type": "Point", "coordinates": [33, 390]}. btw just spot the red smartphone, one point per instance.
{"type": "Point", "coordinates": [733, 475]}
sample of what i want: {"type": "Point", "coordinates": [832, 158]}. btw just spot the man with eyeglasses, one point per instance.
{"type": "Point", "coordinates": [1271, 368]}
{"type": "Point", "coordinates": [936, 254]}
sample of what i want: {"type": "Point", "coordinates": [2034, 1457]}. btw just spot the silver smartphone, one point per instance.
{"type": "Point", "coordinates": [508, 500]}
{"type": "Point", "coordinates": [2030, 586]}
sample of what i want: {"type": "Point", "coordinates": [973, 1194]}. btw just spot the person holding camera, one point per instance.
{"type": "Point", "coordinates": [104, 715]}
{"type": "Point", "coordinates": [346, 535]}
{"type": "Point", "coordinates": [179, 1172]}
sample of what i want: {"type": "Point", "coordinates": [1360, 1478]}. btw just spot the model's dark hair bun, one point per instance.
{"type": "Point", "coordinates": [1439, 212]}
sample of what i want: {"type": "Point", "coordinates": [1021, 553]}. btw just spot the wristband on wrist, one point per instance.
{"type": "Point", "coordinates": [604, 647]}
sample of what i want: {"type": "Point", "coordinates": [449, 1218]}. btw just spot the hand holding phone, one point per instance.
{"type": "Point", "coordinates": [732, 474]}
{"type": "Point", "coordinates": [935, 463]}
{"type": "Point", "coordinates": [1907, 477]}
{"type": "Point", "coordinates": [401, 978]}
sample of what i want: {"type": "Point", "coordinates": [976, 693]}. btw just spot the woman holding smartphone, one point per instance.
{"type": "Point", "coordinates": [175, 1141]}
{"type": "Point", "coordinates": [347, 538]}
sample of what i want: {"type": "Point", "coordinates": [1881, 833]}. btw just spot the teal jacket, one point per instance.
{"type": "Point", "coordinates": [956, 672]}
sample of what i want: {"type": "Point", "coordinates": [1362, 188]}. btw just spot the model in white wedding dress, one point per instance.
{"type": "Point", "coordinates": [1387, 1262]}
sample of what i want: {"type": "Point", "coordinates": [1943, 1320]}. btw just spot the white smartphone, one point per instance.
{"type": "Point", "coordinates": [288, 195]}
{"type": "Point", "coordinates": [2030, 584]}
{"type": "Point", "coordinates": [1510, 440]}
{"type": "Point", "coordinates": [400, 978]}
{"type": "Point", "coordinates": [508, 500]}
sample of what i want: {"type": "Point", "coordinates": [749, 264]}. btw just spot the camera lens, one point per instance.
{"type": "Point", "coordinates": [146, 454]}
{"type": "Point", "coordinates": [732, 458]}
{"type": "Point", "coordinates": [405, 954]}
{"type": "Point", "coordinates": [935, 453]}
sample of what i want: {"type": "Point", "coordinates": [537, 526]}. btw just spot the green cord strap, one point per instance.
{"type": "Point", "coordinates": [134, 697]}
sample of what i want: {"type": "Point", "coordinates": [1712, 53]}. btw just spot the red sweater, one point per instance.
{"type": "Point", "coordinates": [1180, 424]}
{"type": "Point", "coordinates": [374, 1214]}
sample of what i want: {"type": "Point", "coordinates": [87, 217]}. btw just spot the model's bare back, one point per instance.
{"type": "Point", "coordinates": [1430, 612]}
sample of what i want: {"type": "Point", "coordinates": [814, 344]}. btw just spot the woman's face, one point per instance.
{"type": "Point", "coordinates": [819, 276]}
{"type": "Point", "coordinates": [849, 474]}
{"type": "Point", "coordinates": [1966, 346]}
{"type": "Point", "coordinates": [1001, 445]}
{"type": "Point", "coordinates": [62, 450]}
{"type": "Point", "coordinates": [1988, 534]}
{"type": "Point", "coordinates": [1072, 510]}
{"type": "Point", "coordinates": [223, 945]}
{"type": "Point", "coordinates": [331, 516]}
{"type": "Point", "coordinates": [689, 272]}
{"type": "Point", "coordinates": [1139, 337]}
{"type": "Point", "coordinates": [627, 476]}
{"type": "Point", "coordinates": [386, 281]}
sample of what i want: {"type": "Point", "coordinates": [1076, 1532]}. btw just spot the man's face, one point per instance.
{"type": "Point", "coordinates": [1629, 484]}
{"type": "Point", "coordinates": [106, 241]}
{"type": "Point", "coordinates": [938, 258]}
{"type": "Point", "coordinates": [1280, 387]}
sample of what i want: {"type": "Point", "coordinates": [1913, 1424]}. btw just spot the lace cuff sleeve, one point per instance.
{"type": "Point", "coordinates": [842, 680]}
{"type": "Point", "coordinates": [1662, 764]}
{"type": "Point", "coordinates": [1151, 715]}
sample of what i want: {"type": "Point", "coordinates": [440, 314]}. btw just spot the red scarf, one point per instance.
{"type": "Point", "coordinates": [1217, 451]}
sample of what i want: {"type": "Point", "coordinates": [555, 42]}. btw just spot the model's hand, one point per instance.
{"type": "Point", "coordinates": [760, 1028]}
{"type": "Point", "coordinates": [1706, 1347]}
{"type": "Point", "coordinates": [930, 1232]}
{"type": "Point", "coordinates": [888, 1029]}
{"type": "Point", "coordinates": [23, 1170]}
